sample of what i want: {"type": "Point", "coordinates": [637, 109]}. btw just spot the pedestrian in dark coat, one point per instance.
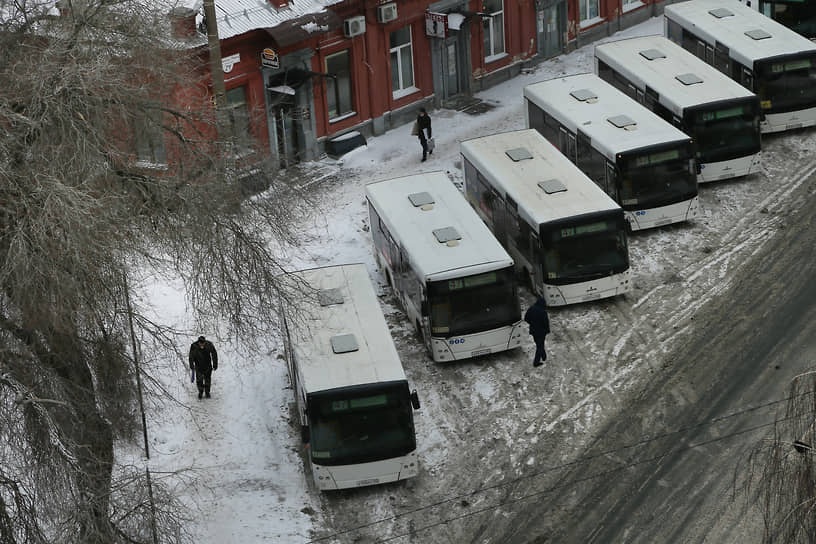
{"type": "Point", "coordinates": [424, 131]}
{"type": "Point", "coordinates": [203, 359]}
{"type": "Point", "coordinates": [539, 321]}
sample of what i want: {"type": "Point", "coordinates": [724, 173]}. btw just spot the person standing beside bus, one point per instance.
{"type": "Point", "coordinates": [539, 321]}
{"type": "Point", "coordinates": [203, 359]}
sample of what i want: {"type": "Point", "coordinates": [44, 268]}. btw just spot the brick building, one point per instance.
{"type": "Point", "coordinates": [301, 74]}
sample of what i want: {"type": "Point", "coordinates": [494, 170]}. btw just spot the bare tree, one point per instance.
{"type": "Point", "coordinates": [781, 471]}
{"type": "Point", "coordinates": [102, 173]}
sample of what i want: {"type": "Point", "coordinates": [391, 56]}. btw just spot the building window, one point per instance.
{"type": "Point", "coordinates": [338, 87]}
{"type": "Point", "coordinates": [493, 28]}
{"type": "Point", "coordinates": [149, 138]}
{"type": "Point", "coordinates": [589, 10]}
{"type": "Point", "coordinates": [629, 5]}
{"type": "Point", "coordinates": [238, 112]}
{"type": "Point", "coordinates": [402, 62]}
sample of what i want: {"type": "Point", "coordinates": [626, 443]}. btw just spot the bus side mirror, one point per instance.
{"type": "Point", "coordinates": [424, 308]}
{"type": "Point", "coordinates": [304, 433]}
{"type": "Point", "coordinates": [415, 400]}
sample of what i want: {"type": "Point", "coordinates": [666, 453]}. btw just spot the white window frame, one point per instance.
{"type": "Point", "coordinates": [585, 10]}
{"type": "Point", "coordinates": [629, 5]}
{"type": "Point", "coordinates": [339, 116]}
{"type": "Point", "coordinates": [403, 90]}
{"type": "Point", "coordinates": [492, 55]}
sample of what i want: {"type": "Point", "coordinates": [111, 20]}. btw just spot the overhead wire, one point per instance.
{"type": "Point", "coordinates": [573, 463]}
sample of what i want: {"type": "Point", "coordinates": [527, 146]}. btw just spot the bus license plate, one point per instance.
{"type": "Point", "coordinates": [593, 296]}
{"type": "Point", "coordinates": [370, 481]}
{"type": "Point", "coordinates": [479, 352]}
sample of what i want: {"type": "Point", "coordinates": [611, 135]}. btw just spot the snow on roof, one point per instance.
{"type": "Point", "coordinates": [236, 17]}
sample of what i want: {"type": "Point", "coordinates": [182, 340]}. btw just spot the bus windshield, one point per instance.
{"type": "Point", "coordinates": [786, 85]}
{"type": "Point", "coordinates": [473, 303]}
{"type": "Point", "coordinates": [359, 426]}
{"type": "Point", "coordinates": [584, 251]}
{"type": "Point", "coordinates": [657, 177]}
{"type": "Point", "coordinates": [798, 15]}
{"type": "Point", "coordinates": [724, 132]}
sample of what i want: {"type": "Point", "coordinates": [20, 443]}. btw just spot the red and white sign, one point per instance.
{"type": "Point", "coordinates": [270, 58]}
{"type": "Point", "coordinates": [436, 25]}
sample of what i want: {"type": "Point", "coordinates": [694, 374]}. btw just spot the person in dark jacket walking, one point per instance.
{"type": "Point", "coordinates": [539, 321]}
{"type": "Point", "coordinates": [424, 132]}
{"type": "Point", "coordinates": [203, 359]}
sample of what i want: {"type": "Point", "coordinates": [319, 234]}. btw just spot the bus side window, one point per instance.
{"type": "Point", "coordinates": [747, 79]}
{"type": "Point", "coordinates": [722, 61]}
{"type": "Point", "coordinates": [513, 224]}
{"type": "Point", "coordinates": [633, 92]}
{"type": "Point", "coordinates": [674, 32]}
{"type": "Point", "coordinates": [700, 51]}
{"type": "Point", "coordinates": [412, 288]}
{"type": "Point", "coordinates": [611, 180]}
{"type": "Point", "coordinates": [485, 196]}
{"type": "Point", "coordinates": [605, 72]}
{"type": "Point", "coordinates": [471, 187]}
{"type": "Point", "coordinates": [566, 143]}
{"type": "Point", "coordinates": [589, 160]}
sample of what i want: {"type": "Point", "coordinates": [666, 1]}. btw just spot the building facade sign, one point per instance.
{"type": "Point", "coordinates": [228, 63]}
{"type": "Point", "coordinates": [270, 58]}
{"type": "Point", "coordinates": [436, 25]}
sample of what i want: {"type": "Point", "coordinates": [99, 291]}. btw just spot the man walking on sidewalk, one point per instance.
{"type": "Point", "coordinates": [203, 359]}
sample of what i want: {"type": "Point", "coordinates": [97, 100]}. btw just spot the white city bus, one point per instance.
{"type": "Point", "coordinates": [644, 163]}
{"type": "Point", "coordinates": [720, 115]}
{"type": "Point", "coordinates": [352, 395]}
{"type": "Point", "coordinates": [454, 280]}
{"type": "Point", "coordinates": [567, 237]}
{"type": "Point", "coordinates": [763, 55]}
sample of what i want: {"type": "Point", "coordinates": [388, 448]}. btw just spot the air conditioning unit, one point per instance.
{"type": "Point", "coordinates": [386, 12]}
{"type": "Point", "coordinates": [354, 26]}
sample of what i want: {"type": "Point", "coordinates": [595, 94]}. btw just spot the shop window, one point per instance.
{"type": "Point", "coordinates": [238, 113]}
{"type": "Point", "coordinates": [402, 62]}
{"type": "Point", "coordinates": [149, 138]}
{"type": "Point", "coordinates": [589, 10]}
{"type": "Point", "coordinates": [338, 87]}
{"type": "Point", "coordinates": [493, 28]}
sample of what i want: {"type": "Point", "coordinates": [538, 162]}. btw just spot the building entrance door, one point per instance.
{"type": "Point", "coordinates": [449, 68]}
{"type": "Point", "coordinates": [284, 135]}
{"type": "Point", "coordinates": [551, 26]}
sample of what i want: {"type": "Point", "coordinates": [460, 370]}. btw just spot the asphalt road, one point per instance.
{"type": "Point", "coordinates": [671, 466]}
{"type": "Point", "coordinates": [639, 426]}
